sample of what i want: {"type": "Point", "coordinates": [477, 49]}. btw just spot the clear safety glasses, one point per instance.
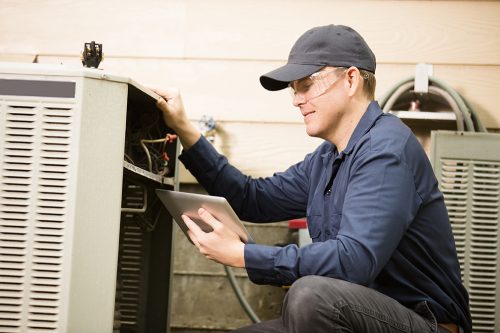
{"type": "Point", "coordinates": [316, 84]}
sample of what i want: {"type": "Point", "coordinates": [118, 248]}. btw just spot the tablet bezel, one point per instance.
{"type": "Point", "coordinates": [185, 203]}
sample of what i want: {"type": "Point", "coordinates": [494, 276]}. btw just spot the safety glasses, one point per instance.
{"type": "Point", "coordinates": [315, 84]}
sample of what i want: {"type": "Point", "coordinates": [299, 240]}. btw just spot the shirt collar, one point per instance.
{"type": "Point", "coordinates": [366, 122]}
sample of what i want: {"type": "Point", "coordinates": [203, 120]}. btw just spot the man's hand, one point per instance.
{"type": "Point", "coordinates": [222, 244]}
{"type": "Point", "coordinates": [174, 115]}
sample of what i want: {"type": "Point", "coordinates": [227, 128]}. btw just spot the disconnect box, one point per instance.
{"type": "Point", "coordinates": [85, 244]}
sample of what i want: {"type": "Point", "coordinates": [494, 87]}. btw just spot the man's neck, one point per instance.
{"type": "Point", "coordinates": [348, 124]}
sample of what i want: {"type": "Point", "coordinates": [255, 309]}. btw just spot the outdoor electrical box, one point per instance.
{"type": "Point", "coordinates": [85, 244]}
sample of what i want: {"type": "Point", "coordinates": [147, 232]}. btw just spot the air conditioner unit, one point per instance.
{"type": "Point", "coordinates": [467, 166]}
{"type": "Point", "coordinates": [85, 245]}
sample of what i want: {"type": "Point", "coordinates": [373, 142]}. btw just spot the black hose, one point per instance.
{"type": "Point", "coordinates": [239, 294]}
{"type": "Point", "coordinates": [470, 119]}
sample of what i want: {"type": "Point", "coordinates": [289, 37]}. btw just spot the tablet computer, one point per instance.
{"type": "Point", "coordinates": [184, 203]}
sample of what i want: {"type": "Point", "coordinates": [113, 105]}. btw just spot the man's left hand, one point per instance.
{"type": "Point", "coordinates": [222, 244]}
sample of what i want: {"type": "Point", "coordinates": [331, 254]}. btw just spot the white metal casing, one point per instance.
{"type": "Point", "coordinates": [467, 166]}
{"type": "Point", "coordinates": [61, 166]}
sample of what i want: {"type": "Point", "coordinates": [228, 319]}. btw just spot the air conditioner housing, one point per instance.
{"type": "Point", "coordinates": [467, 166]}
{"type": "Point", "coordinates": [64, 240]}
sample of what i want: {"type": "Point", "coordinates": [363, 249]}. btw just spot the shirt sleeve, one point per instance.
{"type": "Point", "coordinates": [282, 196]}
{"type": "Point", "coordinates": [380, 203]}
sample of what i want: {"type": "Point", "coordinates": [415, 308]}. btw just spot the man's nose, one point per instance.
{"type": "Point", "coordinates": [298, 99]}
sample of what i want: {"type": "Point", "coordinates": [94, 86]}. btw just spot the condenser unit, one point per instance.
{"type": "Point", "coordinates": [85, 245]}
{"type": "Point", "coordinates": [467, 166]}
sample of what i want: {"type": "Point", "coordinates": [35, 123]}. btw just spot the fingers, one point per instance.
{"type": "Point", "coordinates": [194, 229]}
{"type": "Point", "coordinates": [164, 102]}
{"type": "Point", "coordinates": [209, 218]}
{"type": "Point", "coordinates": [170, 103]}
{"type": "Point", "coordinates": [168, 97]}
{"type": "Point", "coordinates": [194, 234]}
{"type": "Point", "coordinates": [193, 239]}
{"type": "Point", "coordinates": [167, 93]}
{"type": "Point", "coordinates": [221, 245]}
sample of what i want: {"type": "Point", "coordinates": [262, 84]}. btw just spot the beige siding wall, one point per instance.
{"type": "Point", "coordinates": [214, 51]}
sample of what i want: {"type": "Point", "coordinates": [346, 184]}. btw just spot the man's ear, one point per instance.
{"type": "Point", "coordinates": [353, 77]}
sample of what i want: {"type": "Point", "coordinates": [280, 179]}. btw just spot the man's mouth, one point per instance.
{"type": "Point", "coordinates": [305, 114]}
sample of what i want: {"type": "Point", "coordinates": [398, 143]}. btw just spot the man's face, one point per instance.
{"type": "Point", "coordinates": [321, 98]}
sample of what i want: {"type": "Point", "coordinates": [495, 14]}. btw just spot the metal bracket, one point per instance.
{"type": "Point", "coordinates": [422, 73]}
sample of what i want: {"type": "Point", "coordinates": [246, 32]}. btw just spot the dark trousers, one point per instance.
{"type": "Point", "coordinates": [316, 304]}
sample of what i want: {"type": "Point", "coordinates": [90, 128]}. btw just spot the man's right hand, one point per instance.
{"type": "Point", "coordinates": [175, 116]}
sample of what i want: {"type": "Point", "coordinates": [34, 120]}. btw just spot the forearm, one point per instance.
{"type": "Point", "coordinates": [343, 259]}
{"type": "Point", "coordinates": [187, 133]}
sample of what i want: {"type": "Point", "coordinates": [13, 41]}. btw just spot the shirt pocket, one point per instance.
{"type": "Point", "coordinates": [333, 225]}
{"type": "Point", "coordinates": [314, 227]}
{"type": "Point", "coordinates": [321, 229]}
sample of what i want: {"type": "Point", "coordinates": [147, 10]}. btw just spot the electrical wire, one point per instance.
{"type": "Point", "coordinates": [128, 158]}
{"type": "Point", "coordinates": [169, 138]}
{"type": "Point", "coordinates": [146, 151]}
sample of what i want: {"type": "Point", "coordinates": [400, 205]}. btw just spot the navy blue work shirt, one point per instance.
{"type": "Point", "coordinates": [374, 212]}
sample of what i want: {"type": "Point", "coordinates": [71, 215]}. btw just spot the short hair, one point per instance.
{"type": "Point", "coordinates": [369, 83]}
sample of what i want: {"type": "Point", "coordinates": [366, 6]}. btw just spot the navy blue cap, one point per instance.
{"type": "Point", "coordinates": [329, 45]}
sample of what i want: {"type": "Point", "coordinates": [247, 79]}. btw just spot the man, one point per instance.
{"type": "Point", "coordinates": [383, 257]}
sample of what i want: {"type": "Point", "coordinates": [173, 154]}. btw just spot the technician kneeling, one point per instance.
{"type": "Point", "coordinates": [383, 258]}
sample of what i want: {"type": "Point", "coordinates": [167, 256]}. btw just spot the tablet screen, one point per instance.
{"type": "Point", "coordinates": [183, 203]}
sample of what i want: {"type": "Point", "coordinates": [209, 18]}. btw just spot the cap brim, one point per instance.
{"type": "Point", "coordinates": [281, 77]}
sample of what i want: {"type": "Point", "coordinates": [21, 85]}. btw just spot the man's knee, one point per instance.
{"type": "Point", "coordinates": [310, 292]}
{"type": "Point", "coordinates": [310, 302]}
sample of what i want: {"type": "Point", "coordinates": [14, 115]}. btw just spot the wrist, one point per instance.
{"type": "Point", "coordinates": [241, 256]}
{"type": "Point", "coordinates": [187, 133]}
